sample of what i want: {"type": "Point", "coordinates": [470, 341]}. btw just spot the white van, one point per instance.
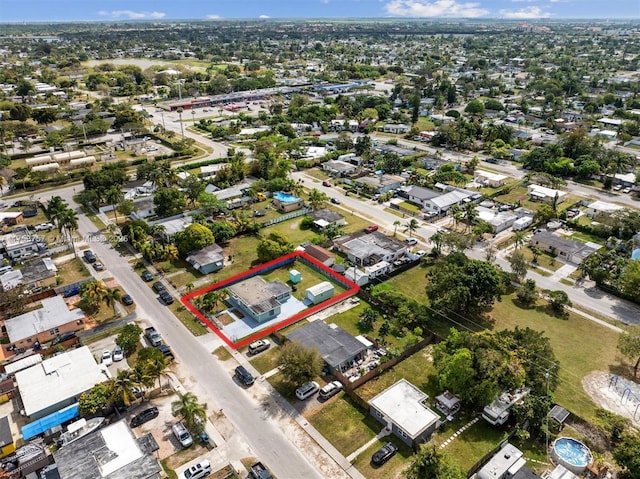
{"type": "Point", "coordinates": [307, 390]}
{"type": "Point", "coordinates": [182, 434]}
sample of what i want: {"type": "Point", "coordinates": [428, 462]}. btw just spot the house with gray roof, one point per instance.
{"type": "Point", "coordinates": [419, 195]}
{"type": "Point", "coordinates": [380, 184]}
{"type": "Point", "coordinates": [207, 260]}
{"type": "Point", "coordinates": [259, 299]}
{"type": "Point", "coordinates": [566, 249]}
{"type": "Point", "coordinates": [366, 249]}
{"type": "Point", "coordinates": [338, 348]}
{"type": "Point", "coordinates": [457, 196]}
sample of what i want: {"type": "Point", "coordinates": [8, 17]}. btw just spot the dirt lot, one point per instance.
{"type": "Point", "coordinates": [607, 392]}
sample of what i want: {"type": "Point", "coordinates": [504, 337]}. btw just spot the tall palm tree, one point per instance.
{"type": "Point", "coordinates": [456, 214]}
{"type": "Point", "coordinates": [54, 210]}
{"type": "Point", "coordinates": [396, 223]}
{"type": "Point", "coordinates": [121, 388]}
{"type": "Point", "coordinates": [193, 413]}
{"type": "Point", "coordinates": [411, 226]}
{"type": "Point", "coordinates": [518, 236]}
{"type": "Point", "coordinates": [156, 368]}
{"type": "Point", "coordinates": [114, 196]}
{"type": "Point", "coordinates": [470, 214]}
{"type": "Point", "coordinates": [68, 221]}
{"type": "Point", "coordinates": [111, 296]}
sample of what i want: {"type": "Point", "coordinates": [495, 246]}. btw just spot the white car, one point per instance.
{"type": "Point", "coordinates": [627, 190]}
{"type": "Point", "coordinates": [420, 253]}
{"type": "Point", "coordinates": [118, 354]}
{"type": "Point", "coordinates": [107, 359]}
{"type": "Point", "coordinates": [411, 241]}
{"type": "Point", "coordinates": [197, 471]}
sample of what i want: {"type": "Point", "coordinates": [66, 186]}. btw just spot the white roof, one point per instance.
{"type": "Point", "coordinates": [23, 364]}
{"type": "Point", "coordinates": [627, 177]}
{"type": "Point", "coordinates": [119, 439]}
{"type": "Point", "coordinates": [10, 279]}
{"type": "Point", "coordinates": [450, 198]}
{"type": "Point", "coordinates": [58, 378]}
{"type": "Point", "coordinates": [490, 176]}
{"type": "Point", "coordinates": [320, 288]}
{"type": "Point", "coordinates": [54, 313]}
{"type": "Point", "coordinates": [546, 192]}
{"type": "Point", "coordinates": [403, 404]}
{"type": "Point", "coordinates": [604, 206]}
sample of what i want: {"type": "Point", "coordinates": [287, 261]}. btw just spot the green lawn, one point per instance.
{"type": "Point", "coordinates": [72, 271]}
{"type": "Point", "coordinates": [596, 349]}
{"type": "Point", "coordinates": [357, 426]}
{"type": "Point", "coordinates": [266, 360]}
{"type": "Point", "coordinates": [189, 320]}
{"type": "Point", "coordinates": [310, 277]}
{"type": "Point", "coordinates": [470, 446]}
{"type": "Point", "coordinates": [393, 468]}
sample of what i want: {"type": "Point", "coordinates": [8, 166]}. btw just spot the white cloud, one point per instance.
{"type": "Point", "coordinates": [436, 8]}
{"type": "Point", "coordinates": [130, 14]}
{"type": "Point", "coordinates": [213, 17]}
{"type": "Point", "coordinates": [525, 1]}
{"type": "Point", "coordinates": [264, 16]}
{"type": "Point", "coordinates": [528, 13]}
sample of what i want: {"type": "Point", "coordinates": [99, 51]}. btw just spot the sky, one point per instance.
{"type": "Point", "coordinates": [109, 10]}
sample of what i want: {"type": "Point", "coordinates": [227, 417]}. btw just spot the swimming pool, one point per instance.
{"type": "Point", "coordinates": [572, 454]}
{"type": "Point", "coordinates": [283, 197]}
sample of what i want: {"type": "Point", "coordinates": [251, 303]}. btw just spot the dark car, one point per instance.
{"type": "Point", "coordinates": [144, 416]}
{"type": "Point", "coordinates": [166, 351]}
{"type": "Point", "coordinates": [127, 300]}
{"type": "Point", "coordinates": [158, 287]}
{"type": "Point", "coordinates": [335, 201]}
{"type": "Point", "coordinates": [146, 276]}
{"type": "Point", "coordinates": [244, 376]}
{"type": "Point", "coordinates": [166, 298]}
{"type": "Point", "coordinates": [383, 454]}
{"type": "Point", "coordinates": [326, 183]}
{"type": "Point", "coordinates": [89, 256]}
{"type": "Point", "coordinates": [371, 228]}
{"type": "Point", "coordinates": [71, 292]}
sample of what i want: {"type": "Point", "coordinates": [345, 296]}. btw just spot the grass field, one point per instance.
{"type": "Point", "coordinates": [73, 271]}
{"type": "Point", "coordinates": [266, 360]}
{"type": "Point", "coordinates": [310, 277]}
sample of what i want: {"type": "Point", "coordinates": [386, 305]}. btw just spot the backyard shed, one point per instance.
{"type": "Point", "coordinates": [320, 292]}
{"type": "Point", "coordinates": [295, 276]}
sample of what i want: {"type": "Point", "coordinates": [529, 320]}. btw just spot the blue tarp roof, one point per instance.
{"type": "Point", "coordinates": [41, 425]}
{"type": "Point", "coordinates": [635, 254]}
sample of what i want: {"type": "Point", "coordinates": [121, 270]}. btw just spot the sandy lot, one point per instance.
{"type": "Point", "coordinates": [607, 391]}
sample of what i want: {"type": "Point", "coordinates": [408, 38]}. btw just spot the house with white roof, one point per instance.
{"type": "Point", "coordinates": [600, 207]}
{"type": "Point", "coordinates": [488, 178]}
{"type": "Point", "coordinates": [544, 194]}
{"type": "Point", "coordinates": [402, 408]}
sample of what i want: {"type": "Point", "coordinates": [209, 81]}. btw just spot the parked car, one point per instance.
{"type": "Point", "coordinates": [330, 390]}
{"type": "Point", "coordinates": [127, 300]}
{"type": "Point", "coordinates": [383, 454]}
{"type": "Point", "coordinates": [335, 201]}
{"type": "Point", "coordinates": [182, 434]}
{"type": "Point", "coordinates": [326, 183]}
{"type": "Point", "coordinates": [411, 241]}
{"type": "Point", "coordinates": [166, 351]}
{"type": "Point", "coordinates": [106, 359]}
{"type": "Point", "coordinates": [89, 256]}
{"type": "Point", "coordinates": [158, 287]}
{"type": "Point", "coordinates": [146, 276]}
{"type": "Point", "coordinates": [118, 353]}
{"type": "Point", "coordinates": [420, 253]}
{"type": "Point", "coordinates": [166, 298]}
{"type": "Point", "coordinates": [307, 390]}
{"type": "Point", "coordinates": [71, 291]}
{"type": "Point", "coordinates": [145, 416]}
{"type": "Point", "coordinates": [627, 190]}
{"type": "Point", "coordinates": [258, 346]}
{"type": "Point", "coordinates": [371, 228]}
{"type": "Point", "coordinates": [44, 227]}
{"type": "Point", "coordinates": [244, 376]}
{"type": "Point", "coordinates": [98, 266]}
{"type": "Point", "coordinates": [197, 471]}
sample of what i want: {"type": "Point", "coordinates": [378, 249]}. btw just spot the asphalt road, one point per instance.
{"type": "Point", "coordinates": [585, 295]}
{"type": "Point", "coordinates": [261, 433]}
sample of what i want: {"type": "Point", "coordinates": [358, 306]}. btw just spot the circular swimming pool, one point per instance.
{"type": "Point", "coordinates": [572, 454]}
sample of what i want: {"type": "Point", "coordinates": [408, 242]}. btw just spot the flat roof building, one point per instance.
{"type": "Point", "coordinates": [258, 298]}
{"type": "Point", "coordinates": [402, 408]}
{"type": "Point", "coordinates": [112, 452]}
{"type": "Point", "coordinates": [58, 382]}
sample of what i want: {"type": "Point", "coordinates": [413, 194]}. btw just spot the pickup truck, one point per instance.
{"type": "Point", "coordinates": [153, 336]}
{"type": "Point", "coordinates": [259, 471]}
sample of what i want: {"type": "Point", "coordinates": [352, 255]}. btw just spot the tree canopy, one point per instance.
{"type": "Point", "coordinates": [298, 363]}
{"type": "Point", "coordinates": [194, 237]}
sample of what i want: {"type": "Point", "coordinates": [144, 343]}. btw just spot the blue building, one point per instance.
{"type": "Point", "coordinates": [259, 299]}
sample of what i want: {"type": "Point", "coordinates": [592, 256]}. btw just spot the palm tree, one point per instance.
{"type": "Point", "coordinates": [317, 198]}
{"type": "Point", "coordinates": [54, 209]}
{"type": "Point", "coordinates": [158, 231]}
{"type": "Point", "coordinates": [68, 221]}
{"type": "Point", "coordinates": [519, 238]}
{"type": "Point", "coordinates": [170, 253]}
{"type": "Point", "coordinates": [121, 388]}
{"type": "Point", "coordinates": [456, 214]}
{"type": "Point", "coordinates": [114, 196]}
{"type": "Point", "coordinates": [470, 214]}
{"type": "Point", "coordinates": [111, 296]}
{"type": "Point", "coordinates": [396, 223]}
{"type": "Point", "coordinates": [193, 413]}
{"type": "Point", "coordinates": [411, 226]}
{"type": "Point", "coordinates": [94, 291]}
{"type": "Point", "coordinates": [156, 368]}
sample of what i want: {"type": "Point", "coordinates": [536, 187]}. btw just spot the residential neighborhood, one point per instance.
{"type": "Point", "coordinates": [320, 247]}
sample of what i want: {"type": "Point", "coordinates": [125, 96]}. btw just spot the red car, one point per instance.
{"type": "Point", "coordinates": [371, 228]}
{"type": "Point", "coordinates": [326, 183]}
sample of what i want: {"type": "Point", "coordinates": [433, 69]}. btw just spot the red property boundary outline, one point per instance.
{"type": "Point", "coordinates": [290, 258]}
